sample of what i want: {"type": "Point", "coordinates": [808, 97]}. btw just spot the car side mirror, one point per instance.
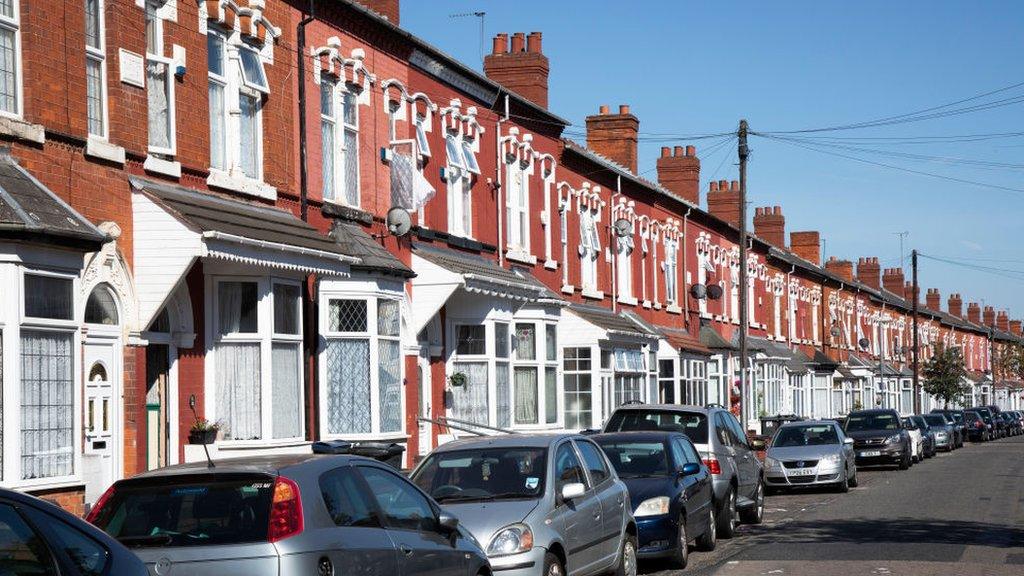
{"type": "Point", "coordinates": [572, 491]}
{"type": "Point", "coordinates": [689, 469]}
{"type": "Point", "coordinates": [758, 444]}
{"type": "Point", "coordinates": [848, 441]}
{"type": "Point", "coordinates": [447, 523]}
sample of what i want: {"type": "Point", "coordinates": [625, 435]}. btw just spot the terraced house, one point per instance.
{"type": "Point", "coordinates": [192, 225]}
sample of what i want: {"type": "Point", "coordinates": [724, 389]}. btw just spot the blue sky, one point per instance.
{"type": "Point", "coordinates": [696, 68]}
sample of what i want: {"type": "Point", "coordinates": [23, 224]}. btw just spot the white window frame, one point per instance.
{"type": "Point", "coordinates": [459, 181]}
{"type": "Point", "coordinates": [265, 337]}
{"type": "Point", "coordinates": [244, 49]}
{"type": "Point", "coordinates": [158, 22]}
{"type": "Point", "coordinates": [517, 205]}
{"type": "Point", "coordinates": [98, 55]}
{"type": "Point", "coordinates": [13, 24]}
{"type": "Point", "coordinates": [541, 364]}
{"type": "Point", "coordinates": [348, 125]}
{"type": "Point", "coordinates": [670, 266]}
{"type": "Point", "coordinates": [590, 253]}
{"type": "Point", "coordinates": [591, 372]}
{"type": "Point", "coordinates": [624, 249]}
{"type": "Point", "coordinates": [222, 81]}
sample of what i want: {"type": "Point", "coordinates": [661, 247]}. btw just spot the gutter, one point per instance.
{"type": "Point", "coordinates": [265, 245]}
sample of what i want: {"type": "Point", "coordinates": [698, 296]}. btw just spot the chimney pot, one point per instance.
{"type": "Point", "coordinates": [518, 42]}
{"type": "Point", "coordinates": [533, 43]}
{"type": "Point", "coordinates": [623, 109]}
{"type": "Point", "coordinates": [677, 151]}
{"type": "Point", "coordinates": [735, 186]}
{"type": "Point", "coordinates": [500, 45]}
{"type": "Point", "coordinates": [713, 186]}
{"type": "Point", "coordinates": [723, 184]}
{"type": "Point", "coordinates": [691, 150]}
{"type": "Point", "coordinates": [602, 109]}
{"type": "Point", "coordinates": [666, 151]}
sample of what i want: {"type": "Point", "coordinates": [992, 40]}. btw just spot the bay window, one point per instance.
{"type": "Point", "coordinates": [10, 58]}
{"type": "Point", "coordinates": [667, 381]}
{"type": "Point", "coordinates": [535, 380]}
{"type": "Point", "coordinates": [630, 375]}
{"type": "Point", "coordinates": [470, 399]}
{"type": "Point", "coordinates": [95, 69]}
{"type": "Point", "coordinates": [257, 348]}
{"type": "Point", "coordinates": [696, 383]}
{"type": "Point", "coordinates": [577, 394]}
{"type": "Point", "coordinates": [159, 87]}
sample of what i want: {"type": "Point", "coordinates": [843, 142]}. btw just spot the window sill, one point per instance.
{"type": "Point", "coordinates": [646, 304]}
{"type": "Point", "coordinates": [568, 289]}
{"type": "Point", "coordinates": [673, 309]}
{"type": "Point", "coordinates": [551, 264]}
{"type": "Point", "coordinates": [628, 300]}
{"type": "Point", "coordinates": [161, 166]}
{"type": "Point", "coordinates": [41, 484]}
{"type": "Point", "coordinates": [241, 183]}
{"type": "Point", "coordinates": [593, 294]}
{"type": "Point", "coordinates": [100, 148]}
{"type": "Point", "coordinates": [22, 130]}
{"type": "Point", "coordinates": [517, 255]}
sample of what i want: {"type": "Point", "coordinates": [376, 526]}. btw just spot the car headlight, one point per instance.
{"type": "Point", "coordinates": [512, 539]}
{"type": "Point", "coordinates": [652, 507]}
{"type": "Point", "coordinates": [771, 463]}
{"type": "Point", "coordinates": [830, 459]}
{"type": "Point", "coordinates": [892, 439]}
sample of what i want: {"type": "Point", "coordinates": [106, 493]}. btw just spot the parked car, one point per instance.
{"type": "Point", "coordinates": [977, 429]}
{"type": "Point", "coordinates": [284, 515]}
{"type": "Point", "coordinates": [927, 435]}
{"type": "Point", "coordinates": [669, 491]}
{"type": "Point", "coordinates": [879, 437]}
{"type": "Point", "coordinates": [916, 440]}
{"type": "Point", "coordinates": [1017, 422]}
{"type": "Point", "coordinates": [943, 431]}
{"type": "Point", "coordinates": [956, 420]}
{"type": "Point", "coordinates": [41, 538]}
{"type": "Point", "coordinates": [811, 453]}
{"type": "Point", "coordinates": [990, 422]}
{"type": "Point", "coordinates": [738, 476]}
{"type": "Point", "coordinates": [545, 504]}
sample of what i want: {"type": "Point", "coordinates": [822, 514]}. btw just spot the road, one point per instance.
{"type": "Point", "coordinates": [960, 513]}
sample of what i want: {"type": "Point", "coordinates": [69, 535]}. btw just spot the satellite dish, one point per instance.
{"type": "Point", "coordinates": [714, 292]}
{"type": "Point", "coordinates": [623, 227]}
{"type": "Point", "coordinates": [699, 291]}
{"type": "Point", "coordinates": [398, 222]}
{"type": "Point", "coordinates": [863, 343]}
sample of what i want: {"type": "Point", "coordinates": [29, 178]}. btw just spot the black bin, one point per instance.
{"type": "Point", "coordinates": [770, 424]}
{"type": "Point", "coordinates": [389, 453]}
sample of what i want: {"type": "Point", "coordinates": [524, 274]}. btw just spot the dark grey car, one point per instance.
{"type": "Point", "coordinates": [41, 538]}
{"type": "Point", "coordinates": [285, 515]}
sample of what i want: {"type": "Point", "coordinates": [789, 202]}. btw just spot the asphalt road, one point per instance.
{"type": "Point", "coordinates": [960, 513]}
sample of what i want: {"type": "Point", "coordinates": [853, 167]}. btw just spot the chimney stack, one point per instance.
{"type": "Point", "coordinates": [974, 313]}
{"type": "Point", "coordinates": [933, 300]}
{"type": "Point", "coordinates": [841, 268]}
{"type": "Point", "coordinates": [892, 280]}
{"type": "Point", "coordinates": [724, 201]}
{"type": "Point", "coordinates": [909, 295]}
{"type": "Point", "coordinates": [679, 172]}
{"type": "Point", "coordinates": [1003, 321]}
{"type": "Point", "coordinates": [869, 272]}
{"type": "Point", "coordinates": [990, 316]}
{"type": "Point", "coordinates": [956, 306]}
{"type": "Point", "coordinates": [1016, 327]}
{"type": "Point", "coordinates": [386, 8]}
{"type": "Point", "coordinates": [770, 225]}
{"type": "Point", "coordinates": [523, 69]}
{"type": "Point", "coordinates": [806, 245]}
{"type": "Point", "coordinates": [614, 136]}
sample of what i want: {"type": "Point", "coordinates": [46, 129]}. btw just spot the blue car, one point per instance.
{"type": "Point", "coordinates": [670, 491]}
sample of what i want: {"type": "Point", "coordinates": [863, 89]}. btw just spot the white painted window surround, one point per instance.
{"type": "Point", "coordinates": [96, 68]}
{"type": "Point", "coordinates": [339, 141]}
{"type": "Point", "coordinates": [10, 59]}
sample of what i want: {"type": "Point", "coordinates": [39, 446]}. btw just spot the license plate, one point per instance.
{"type": "Point", "coordinates": [801, 472]}
{"type": "Point", "coordinates": [870, 453]}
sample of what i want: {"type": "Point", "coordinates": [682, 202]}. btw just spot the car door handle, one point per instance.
{"type": "Point", "coordinates": [405, 550]}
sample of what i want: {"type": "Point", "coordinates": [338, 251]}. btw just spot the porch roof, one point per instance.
{"type": "Point", "coordinates": [611, 322]}
{"type": "Point", "coordinates": [713, 340]}
{"type": "Point", "coordinates": [682, 340]}
{"type": "Point", "coordinates": [354, 241]}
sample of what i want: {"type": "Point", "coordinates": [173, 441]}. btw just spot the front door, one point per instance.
{"type": "Point", "coordinates": [102, 373]}
{"type": "Point", "coordinates": [425, 392]}
{"type": "Point", "coordinates": [157, 402]}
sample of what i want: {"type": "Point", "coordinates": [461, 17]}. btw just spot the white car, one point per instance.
{"type": "Point", "coordinates": [916, 441]}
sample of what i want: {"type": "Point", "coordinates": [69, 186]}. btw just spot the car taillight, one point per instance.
{"type": "Point", "coordinates": [94, 512]}
{"type": "Point", "coordinates": [713, 465]}
{"type": "Point", "coordinates": [285, 510]}
{"type": "Point", "coordinates": [978, 424]}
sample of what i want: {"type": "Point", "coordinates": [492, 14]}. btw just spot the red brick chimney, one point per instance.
{"type": "Point", "coordinates": [1003, 321]}
{"type": "Point", "coordinates": [679, 172]}
{"type": "Point", "coordinates": [724, 201]}
{"type": "Point", "coordinates": [614, 136]}
{"type": "Point", "coordinates": [909, 295]}
{"type": "Point", "coordinates": [1016, 327]}
{"type": "Point", "coordinates": [386, 8]}
{"type": "Point", "coordinates": [770, 225]}
{"type": "Point", "coordinates": [956, 305]}
{"type": "Point", "coordinates": [892, 280]}
{"type": "Point", "coordinates": [933, 300]}
{"type": "Point", "coordinates": [869, 272]}
{"type": "Point", "coordinates": [974, 313]}
{"type": "Point", "coordinates": [806, 245]}
{"type": "Point", "coordinates": [841, 268]}
{"type": "Point", "coordinates": [990, 316]}
{"type": "Point", "coordinates": [523, 69]}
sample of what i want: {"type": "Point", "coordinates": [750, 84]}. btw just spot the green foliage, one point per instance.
{"type": "Point", "coordinates": [945, 376]}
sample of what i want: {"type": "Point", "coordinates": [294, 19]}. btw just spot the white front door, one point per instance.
{"type": "Point", "coordinates": [100, 358]}
{"type": "Point", "coordinates": [424, 408]}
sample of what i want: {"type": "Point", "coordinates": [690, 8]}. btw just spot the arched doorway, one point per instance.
{"type": "Point", "coordinates": [102, 356]}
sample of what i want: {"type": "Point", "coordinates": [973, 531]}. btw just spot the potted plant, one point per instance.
{"type": "Point", "coordinates": [203, 432]}
{"type": "Point", "coordinates": [457, 380]}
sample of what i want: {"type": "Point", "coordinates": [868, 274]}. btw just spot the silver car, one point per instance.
{"type": "Point", "coordinates": [546, 505]}
{"type": "Point", "coordinates": [811, 453]}
{"type": "Point", "coordinates": [284, 516]}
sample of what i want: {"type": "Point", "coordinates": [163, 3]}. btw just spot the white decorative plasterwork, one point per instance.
{"type": "Point", "coordinates": [107, 266]}
{"type": "Point", "coordinates": [351, 71]}
{"type": "Point", "coordinates": [248, 21]}
{"type": "Point", "coordinates": [402, 105]}
{"type": "Point", "coordinates": [463, 125]}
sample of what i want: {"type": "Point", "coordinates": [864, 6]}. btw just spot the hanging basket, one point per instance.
{"type": "Point", "coordinates": [202, 436]}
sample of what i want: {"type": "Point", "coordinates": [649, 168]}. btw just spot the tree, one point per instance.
{"type": "Point", "coordinates": [1011, 367]}
{"type": "Point", "coordinates": [945, 375]}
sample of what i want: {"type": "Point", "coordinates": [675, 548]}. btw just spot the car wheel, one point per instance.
{"type": "Point", "coordinates": [682, 552]}
{"type": "Point", "coordinates": [844, 485]}
{"type": "Point", "coordinates": [726, 525]}
{"type": "Point", "coordinates": [553, 566]}
{"type": "Point", "coordinates": [627, 563]}
{"type": "Point", "coordinates": [904, 463]}
{"type": "Point", "coordinates": [755, 514]}
{"type": "Point", "coordinates": [709, 539]}
{"type": "Point", "coordinates": [853, 480]}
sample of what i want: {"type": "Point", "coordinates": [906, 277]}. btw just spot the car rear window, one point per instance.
{"type": "Point", "coordinates": [935, 420]}
{"type": "Point", "coordinates": [872, 421]}
{"type": "Point", "coordinates": [189, 511]}
{"type": "Point", "coordinates": [637, 459]}
{"type": "Point", "coordinates": [693, 424]}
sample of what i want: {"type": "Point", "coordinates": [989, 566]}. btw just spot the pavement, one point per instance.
{"type": "Point", "coordinates": [960, 513]}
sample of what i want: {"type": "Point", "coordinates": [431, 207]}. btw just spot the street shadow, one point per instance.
{"type": "Point", "coordinates": [900, 531]}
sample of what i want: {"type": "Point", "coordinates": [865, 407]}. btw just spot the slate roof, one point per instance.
{"type": "Point", "coordinates": [608, 320]}
{"type": "Point", "coordinates": [208, 213]}
{"type": "Point", "coordinates": [354, 241]}
{"type": "Point", "coordinates": [683, 341]}
{"type": "Point", "coordinates": [713, 340]}
{"type": "Point", "coordinates": [822, 359]}
{"type": "Point", "coordinates": [466, 263]}
{"type": "Point", "coordinates": [30, 211]}
{"type": "Point", "coordinates": [798, 363]}
{"type": "Point", "coordinates": [621, 170]}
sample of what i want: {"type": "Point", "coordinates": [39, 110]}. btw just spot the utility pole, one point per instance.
{"type": "Point", "coordinates": [745, 398]}
{"type": "Point", "coordinates": [913, 294]}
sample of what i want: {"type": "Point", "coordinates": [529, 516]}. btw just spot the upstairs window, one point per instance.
{"type": "Point", "coordinates": [460, 185]}
{"type": "Point", "coordinates": [671, 271]}
{"type": "Point", "coordinates": [95, 68]}
{"type": "Point", "coordinates": [159, 87]}
{"type": "Point", "coordinates": [339, 138]}
{"type": "Point", "coordinates": [624, 266]}
{"type": "Point", "coordinates": [216, 60]}
{"type": "Point", "coordinates": [10, 63]}
{"type": "Point", "coordinates": [517, 202]}
{"type": "Point", "coordinates": [421, 136]}
{"type": "Point", "coordinates": [590, 249]}
{"type": "Point", "coordinates": [253, 75]}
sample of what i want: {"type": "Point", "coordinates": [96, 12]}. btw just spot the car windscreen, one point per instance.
{"type": "Point", "coordinates": [820, 435]}
{"type": "Point", "coordinates": [858, 422]}
{"type": "Point", "coordinates": [483, 474]}
{"type": "Point", "coordinates": [935, 420]}
{"type": "Point", "coordinates": [957, 417]}
{"type": "Point", "coordinates": [971, 416]}
{"type": "Point", "coordinates": [635, 459]}
{"type": "Point", "coordinates": [189, 511]}
{"type": "Point", "coordinates": [693, 424]}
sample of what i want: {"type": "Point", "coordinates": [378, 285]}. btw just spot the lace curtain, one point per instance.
{"type": "Point", "coordinates": [238, 390]}
{"type": "Point", "coordinates": [469, 402]}
{"type": "Point", "coordinates": [348, 386]}
{"type": "Point", "coordinates": [286, 390]}
{"type": "Point", "coordinates": [526, 395]}
{"type": "Point", "coordinates": [47, 404]}
{"type": "Point", "coordinates": [503, 403]}
{"type": "Point", "coordinates": [159, 112]}
{"type": "Point", "coordinates": [390, 386]}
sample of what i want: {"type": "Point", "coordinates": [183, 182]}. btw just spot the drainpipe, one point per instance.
{"type": "Point", "coordinates": [312, 371]}
{"type": "Point", "coordinates": [614, 241]}
{"type": "Point", "coordinates": [300, 32]}
{"type": "Point", "coordinates": [686, 293]}
{"type": "Point", "coordinates": [789, 310]}
{"type": "Point", "coordinates": [497, 184]}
